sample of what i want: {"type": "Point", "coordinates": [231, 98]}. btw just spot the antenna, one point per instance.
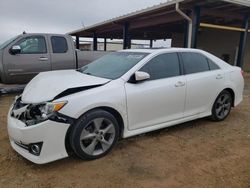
{"type": "Point", "coordinates": [83, 24]}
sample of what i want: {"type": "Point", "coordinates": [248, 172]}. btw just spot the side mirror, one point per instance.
{"type": "Point", "coordinates": [15, 49]}
{"type": "Point", "coordinates": [141, 76]}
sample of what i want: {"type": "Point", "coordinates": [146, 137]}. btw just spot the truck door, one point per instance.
{"type": "Point", "coordinates": [32, 59]}
{"type": "Point", "coordinates": [63, 54]}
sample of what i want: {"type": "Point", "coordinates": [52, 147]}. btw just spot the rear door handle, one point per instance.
{"type": "Point", "coordinates": [219, 76]}
{"type": "Point", "coordinates": [180, 84]}
{"type": "Point", "coordinates": [43, 59]}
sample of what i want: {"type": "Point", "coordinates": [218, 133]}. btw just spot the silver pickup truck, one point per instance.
{"type": "Point", "coordinates": [24, 56]}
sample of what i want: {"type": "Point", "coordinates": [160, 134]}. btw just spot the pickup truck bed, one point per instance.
{"type": "Point", "coordinates": [85, 57]}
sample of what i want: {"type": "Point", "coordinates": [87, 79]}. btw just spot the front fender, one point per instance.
{"type": "Point", "coordinates": [112, 95]}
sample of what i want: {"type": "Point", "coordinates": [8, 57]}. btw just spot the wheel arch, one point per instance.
{"type": "Point", "coordinates": [111, 110]}
{"type": "Point", "coordinates": [231, 91]}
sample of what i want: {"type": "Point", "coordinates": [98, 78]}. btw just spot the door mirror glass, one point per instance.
{"type": "Point", "coordinates": [15, 49]}
{"type": "Point", "coordinates": [141, 76]}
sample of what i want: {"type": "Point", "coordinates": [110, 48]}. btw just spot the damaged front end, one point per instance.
{"type": "Point", "coordinates": [32, 114]}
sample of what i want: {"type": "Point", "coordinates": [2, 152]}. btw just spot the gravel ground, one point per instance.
{"type": "Point", "coordinates": [200, 153]}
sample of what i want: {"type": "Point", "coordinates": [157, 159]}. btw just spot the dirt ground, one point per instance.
{"type": "Point", "coordinates": [200, 153]}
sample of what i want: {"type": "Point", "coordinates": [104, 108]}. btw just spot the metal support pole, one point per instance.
{"type": "Point", "coordinates": [77, 42]}
{"type": "Point", "coordinates": [126, 37]}
{"type": "Point", "coordinates": [105, 44]}
{"type": "Point", "coordinates": [196, 25]}
{"type": "Point", "coordinates": [129, 42]}
{"type": "Point", "coordinates": [94, 42]}
{"type": "Point", "coordinates": [186, 33]}
{"type": "Point", "coordinates": [242, 45]}
{"type": "Point", "coordinates": [151, 43]}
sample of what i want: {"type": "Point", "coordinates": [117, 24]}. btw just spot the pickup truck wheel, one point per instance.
{"type": "Point", "coordinates": [222, 106]}
{"type": "Point", "coordinates": [94, 134]}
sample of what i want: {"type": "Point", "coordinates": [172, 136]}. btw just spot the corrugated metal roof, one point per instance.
{"type": "Point", "coordinates": [240, 2]}
{"type": "Point", "coordinates": [135, 13]}
{"type": "Point", "coordinates": [149, 9]}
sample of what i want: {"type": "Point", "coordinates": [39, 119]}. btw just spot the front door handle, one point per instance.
{"type": "Point", "coordinates": [180, 84]}
{"type": "Point", "coordinates": [43, 59]}
{"type": "Point", "coordinates": [219, 76]}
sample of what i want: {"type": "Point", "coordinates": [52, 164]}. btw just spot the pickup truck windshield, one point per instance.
{"type": "Point", "coordinates": [113, 65]}
{"type": "Point", "coordinates": [3, 45]}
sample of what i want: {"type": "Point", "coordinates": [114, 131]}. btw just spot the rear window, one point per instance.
{"type": "Point", "coordinates": [59, 44]}
{"type": "Point", "coordinates": [194, 62]}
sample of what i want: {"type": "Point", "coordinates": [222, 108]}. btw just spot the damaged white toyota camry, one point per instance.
{"type": "Point", "coordinates": [122, 94]}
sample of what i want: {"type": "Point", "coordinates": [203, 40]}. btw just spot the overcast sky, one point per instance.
{"type": "Point", "coordinates": [61, 16]}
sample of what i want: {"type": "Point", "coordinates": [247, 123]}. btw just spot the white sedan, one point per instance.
{"type": "Point", "coordinates": [122, 94]}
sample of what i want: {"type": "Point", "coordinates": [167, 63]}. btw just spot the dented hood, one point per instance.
{"type": "Point", "coordinates": [47, 85]}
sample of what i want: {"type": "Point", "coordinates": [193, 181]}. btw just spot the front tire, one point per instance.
{"type": "Point", "coordinates": [94, 134]}
{"type": "Point", "coordinates": [222, 106]}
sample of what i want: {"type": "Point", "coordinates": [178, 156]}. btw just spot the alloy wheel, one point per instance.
{"type": "Point", "coordinates": [97, 137]}
{"type": "Point", "coordinates": [223, 106]}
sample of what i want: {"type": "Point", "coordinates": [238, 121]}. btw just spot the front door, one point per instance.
{"type": "Point", "coordinates": [159, 99]}
{"type": "Point", "coordinates": [33, 58]}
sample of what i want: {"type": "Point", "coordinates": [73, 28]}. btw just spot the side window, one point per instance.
{"type": "Point", "coordinates": [59, 44]}
{"type": "Point", "coordinates": [33, 45]}
{"type": "Point", "coordinates": [212, 65]}
{"type": "Point", "coordinates": [194, 62]}
{"type": "Point", "coordinates": [163, 66]}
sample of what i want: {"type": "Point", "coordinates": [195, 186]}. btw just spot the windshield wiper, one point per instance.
{"type": "Point", "coordinates": [88, 73]}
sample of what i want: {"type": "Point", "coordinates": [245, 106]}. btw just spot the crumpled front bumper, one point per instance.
{"type": "Point", "coordinates": [50, 133]}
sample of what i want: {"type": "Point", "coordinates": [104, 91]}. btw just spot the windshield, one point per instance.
{"type": "Point", "coordinates": [113, 65]}
{"type": "Point", "coordinates": [3, 45]}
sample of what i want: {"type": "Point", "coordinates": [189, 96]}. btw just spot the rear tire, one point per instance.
{"type": "Point", "coordinates": [222, 106]}
{"type": "Point", "coordinates": [94, 134]}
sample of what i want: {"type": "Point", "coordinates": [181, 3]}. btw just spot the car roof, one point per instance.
{"type": "Point", "coordinates": [158, 50]}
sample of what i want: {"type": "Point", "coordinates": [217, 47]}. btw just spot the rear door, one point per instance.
{"type": "Point", "coordinates": [159, 99]}
{"type": "Point", "coordinates": [63, 54]}
{"type": "Point", "coordinates": [34, 58]}
{"type": "Point", "coordinates": [204, 81]}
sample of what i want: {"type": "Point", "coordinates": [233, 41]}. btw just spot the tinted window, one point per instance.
{"type": "Point", "coordinates": [59, 44]}
{"type": "Point", "coordinates": [113, 65]}
{"type": "Point", "coordinates": [212, 65]}
{"type": "Point", "coordinates": [163, 66]}
{"type": "Point", "coordinates": [32, 45]}
{"type": "Point", "coordinates": [194, 63]}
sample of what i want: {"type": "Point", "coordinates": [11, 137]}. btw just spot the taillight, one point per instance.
{"type": "Point", "coordinates": [242, 73]}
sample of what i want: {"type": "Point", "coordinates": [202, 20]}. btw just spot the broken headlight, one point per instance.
{"type": "Point", "coordinates": [49, 108]}
{"type": "Point", "coordinates": [41, 112]}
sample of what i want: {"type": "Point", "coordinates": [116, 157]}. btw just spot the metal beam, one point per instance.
{"type": "Point", "coordinates": [186, 32]}
{"type": "Point", "coordinates": [242, 45]}
{"type": "Point", "coordinates": [196, 24]}
{"type": "Point", "coordinates": [126, 36]}
{"type": "Point", "coordinates": [151, 43]}
{"type": "Point", "coordinates": [94, 42]}
{"type": "Point", "coordinates": [105, 44]}
{"type": "Point", "coordinates": [222, 27]}
{"type": "Point", "coordinates": [77, 42]}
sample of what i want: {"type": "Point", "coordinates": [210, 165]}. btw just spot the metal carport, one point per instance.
{"type": "Point", "coordinates": [163, 20]}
